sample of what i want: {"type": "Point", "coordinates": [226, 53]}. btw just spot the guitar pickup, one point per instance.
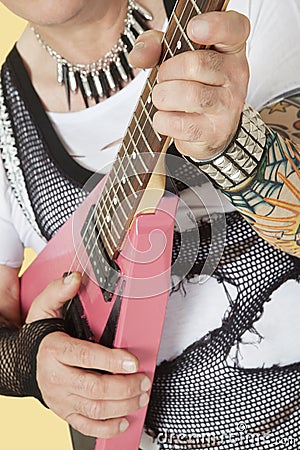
{"type": "Point", "coordinates": [105, 270]}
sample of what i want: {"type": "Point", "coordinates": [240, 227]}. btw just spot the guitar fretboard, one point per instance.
{"type": "Point", "coordinates": [142, 145]}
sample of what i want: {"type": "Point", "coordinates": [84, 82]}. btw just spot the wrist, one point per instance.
{"type": "Point", "coordinates": [18, 357]}
{"type": "Point", "coordinates": [236, 165]}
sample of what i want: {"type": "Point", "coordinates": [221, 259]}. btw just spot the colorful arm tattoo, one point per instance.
{"type": "Point", "coordinates": [271, 202]}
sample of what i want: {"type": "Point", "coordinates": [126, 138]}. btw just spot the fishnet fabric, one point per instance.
{"type": "Point", "coordinates": [197, 392]}
{"type": "Point", "coordinates": [18, 350]}
{"type": "Point", "coordinates": [41, 173]}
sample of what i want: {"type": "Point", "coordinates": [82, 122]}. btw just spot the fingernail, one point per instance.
{"type": "Point", "coordinates": [138, 46]}
{"type": "Point", "coordinates": [145, 384]}
{"type": "Point", "coordinates": [129, 365]}
{"type": "Point", "coordinates": [124, 424]}
{"type": "Point", "coordinates": [144, 400]}
{"type": "Point", "coordinates": [199, 27]}
{"type": "Point", "coordinates": [70, 278]}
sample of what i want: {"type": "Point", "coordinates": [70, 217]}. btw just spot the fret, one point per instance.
{"type": "Point", "coordinates": [126, 180]}
{"type": "Point", "coordinates": [137, 151]}
{"type": "Point", "coordinates": [141, 158]}
{"type": "Point", "coordinates": [142, 134]}
{"type": "Point", "coordinates": [116, 215]}
{"type": "Point", "coordinates": [114, 205]}
{"type": "Point", "coordinates": [183, 33]}
{"type": "Point", "coordinates": [181, 16]}
{"type": "Point", "coordinates": [135, 174]}
{"type": "Point", "coordinates": [169, 50]}
{"type": "Point", "coordinates": [103, 224]}
{"type": "Point", "coordinates": [149, 118]}
{"type": "Point", "coordinates": [197, 9]}
{"type": "Point", "coordinates": [132, 142]}
{"type": "Point", "coordinates": [142, 144]}
{"type": "Point", "coordinates": [117, 202]}
{"type": "Point", "coordinates": [98, 215]}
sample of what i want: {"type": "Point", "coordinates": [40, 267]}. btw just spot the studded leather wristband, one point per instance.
{"type": "Point", "coordinates": [238, 162]}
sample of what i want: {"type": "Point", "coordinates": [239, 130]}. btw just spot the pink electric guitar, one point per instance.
{"type": "Point", "coordinates": [121, 239]}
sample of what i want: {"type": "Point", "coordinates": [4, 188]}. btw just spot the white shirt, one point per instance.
{"type": "Point", "coordinates": [273, 52]}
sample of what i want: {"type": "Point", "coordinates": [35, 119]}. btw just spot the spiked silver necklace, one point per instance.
{"type": "Point", "coordinates": [102, 78]}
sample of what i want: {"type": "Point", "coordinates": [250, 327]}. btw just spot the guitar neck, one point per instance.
{"type": "Point", "coordinates": [142, 145]}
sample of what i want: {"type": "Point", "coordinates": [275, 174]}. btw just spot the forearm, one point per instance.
{"type": "Point", "coordinates": [271, 202]}
{"type": "Point", "coordinates": [259, 173]}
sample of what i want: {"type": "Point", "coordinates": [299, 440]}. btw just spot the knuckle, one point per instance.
{"type": "Point", "coordinates": [208, 97]}
{"type": "Point", "coordinates": [48, 347]}
{"type": "Point", "coordinates": [86, 384]}
{"type": "Point", "coordinates": [202, 97]}
{"type": "Point", "coordinates": [245, 22]}
{"type": "Point", "coordinates": [105, 387]}
{"type": "Point", "coordinates": [159, 96]}
{"type": "Point", "coordinates": [90, 409]}
{"type": "Point", "coordinates": [82, 425]}
{"type": "Point", "coordinates": [91, 387]}
{"type": "Point", "coordinates": [65, 346]}
{"type": "Point", "coordinates": [177, 124]}
{"type": "Point", "coordinates": [97, 410]}
{"type": "Point", "coordinates": [85, 356]}
{"type": "Point", "coordinates": [193, 131]}
{"type": "Point", "coordinates": [205, 60]}
{"type": "Point", "coordinates": [192, 63]}
{"type": "Point", "coordinates": [130, 390]}
{"type": "Point", "coordinates": [157, 121]}
{"type": "Point", "coordinates": [110, 363]}
{"type": "Point", "coordinates": [214, 60]}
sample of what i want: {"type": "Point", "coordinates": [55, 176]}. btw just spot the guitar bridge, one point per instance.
{"type": "Point", "coordinates": [105, 270]}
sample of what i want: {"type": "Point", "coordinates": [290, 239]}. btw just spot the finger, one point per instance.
{"type": "Point", "coordinates": [95, 386]}
{"type": "Point", "coordinates": [190, 127]}
{"type": "Point", "coordinates": [196, 98]}
{"type": "Point", "coordinates": [89, 355]}
{"type": "Point", "coordinates": [106, 409]}
{"type": "Point", "coordinates": [226, 31]}
{"type": "Point", "coordinates": [99, 429]}
{"type": "Point", "coordinates": [201, 134]}
{"type": "Point", "coordinates": [49, 303]}
{"type": "Point", "coordinates": [147, 50]}
{"type": "Point", "coordinates": [206, 66]}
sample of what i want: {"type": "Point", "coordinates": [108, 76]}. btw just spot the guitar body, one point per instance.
{"type": "Point", "coordinates": [142, 292]}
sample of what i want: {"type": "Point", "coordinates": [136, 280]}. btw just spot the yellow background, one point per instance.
{"type": "Point", "coordinates": [24, 423]}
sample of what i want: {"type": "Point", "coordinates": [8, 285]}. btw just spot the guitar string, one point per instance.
{"type": "Point", "coordinates": [116, 180]}
{"type": "Point", "coordinates": [103, 194]}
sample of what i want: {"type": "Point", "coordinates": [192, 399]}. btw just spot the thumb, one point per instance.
{"type": "Point", "coordinates": [49, 302]}
{"type": "Point", "coordinates": [226, 31]}
{"type": "Point", "coordinates": [147, 50]}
